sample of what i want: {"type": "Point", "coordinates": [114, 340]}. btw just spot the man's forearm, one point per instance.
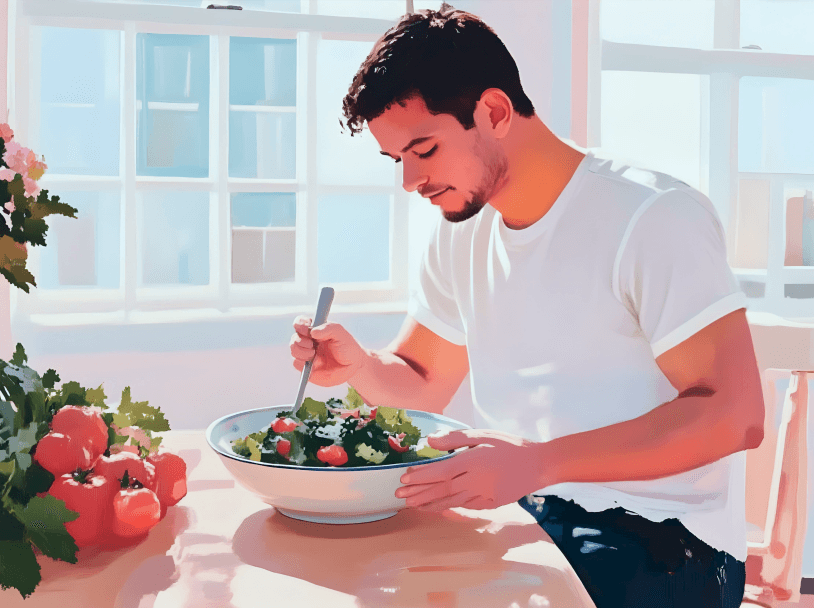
{"type": "Point", "coordinates": [387, 379]}
{"type": "Point", "coordinates": [683, 434]}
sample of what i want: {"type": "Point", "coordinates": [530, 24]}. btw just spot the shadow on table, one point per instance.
{"type": "Point", "coordinates": [106, 577]}
{"type": "Point", "coordinates": [414, 559]}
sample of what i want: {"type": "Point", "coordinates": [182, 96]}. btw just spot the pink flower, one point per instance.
{"type": "Point", "coordinates": [31, 187]}
{"type": "Point", "coordinates": [10, 206]}
{"type": "Point", "coordinates": [7, 174]}
{"type": "Point", "coordinates": [6, 133]}
{"type": "Point", "coordinates": [16, 157]}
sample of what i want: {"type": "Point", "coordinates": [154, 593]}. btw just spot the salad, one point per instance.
{"type": "Point", "coordinates": [337, 433]}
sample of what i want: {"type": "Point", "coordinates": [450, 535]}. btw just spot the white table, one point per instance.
{"type": "Point", "coordinates": [221, 547]}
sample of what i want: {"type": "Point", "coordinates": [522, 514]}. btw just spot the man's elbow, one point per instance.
{"type": "Point", "coordinates": [753, 431]}
{"type": "Point", "coordinates": [753, 437]}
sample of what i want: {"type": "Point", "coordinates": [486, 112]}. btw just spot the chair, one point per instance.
{"type": "Point", "coordinates": [776, 494]}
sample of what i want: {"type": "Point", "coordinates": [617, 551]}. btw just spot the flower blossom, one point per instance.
{"type": "Point", "coordinates": [6, 133]}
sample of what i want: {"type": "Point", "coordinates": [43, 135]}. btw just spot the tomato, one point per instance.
{"type": "Point", "coordinates": [283, 447]}
{"type": "Point", "coordinates": [332, 455]}
{"type": "Point", "coordinates": [89, 495]}
{"type": "Point", "coordinates": [114, 466]}
{"type": "Point", "coordinates": [170, 478]}
{"type": "Point", "coordinates": [373, 411]}
{"type": "Point", "coordinates": [135, 511]}
{"type": "Point", "coordinates": [60, 454]}
{"type": "Point", "coordinates": [83, 424]}
{"type": "Point", "coordinates": [283, 425]}
{"type": "Point", "coordinates": [395, 443]}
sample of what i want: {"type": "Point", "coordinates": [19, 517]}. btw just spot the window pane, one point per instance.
{"type": "Point", "coordinates": [799, 228]}
{"type": "Point", "coordinates": [680, 23]}
{"type": "Point", "coordinates": [262, 72]}
{"type": "Point", "coordinates": [354, 238]}
{"type": "Point", "coordinates": [654, 121]}
{"type": "Point", "coordinates": [262, 145]}
{"type": "Point", "coordinates": [778, 26]}
{"type": "Point", "coordinates": [172, 88]}
{"type": "Point", "coordinates": [174, 238]}
{"type": "Point", "coordinates": [373, 9]}
{"type": "Point", "coordinates": [342, 158]}
{"type": "Point", "coordinates": [264, 210]}
{"type": "Point", "coordinates": [79, 101]}
{"type": "Point", "coordinates": [83, 251]}
{"type": "Point", "coordinates": [752, 225]}
{"type": "Point", "coordinates": [263, 237]}
{"type": "Point", "coordinates": [775, 125]}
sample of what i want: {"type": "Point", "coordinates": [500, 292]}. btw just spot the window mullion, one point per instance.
{"type": "Point", "coordinates": [727, 24]}
{"type": "Point", "coordinates": [309, 245]}
{"type": "Point", "coordinates": [775, 288]}
{"type": "Point", "coordinates": [129, 267]}
{"type": "Point", "coordinates": [220, 97]}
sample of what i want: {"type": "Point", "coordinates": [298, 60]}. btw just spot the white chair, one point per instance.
{"type": "Point", "coordinates": [776, 494]}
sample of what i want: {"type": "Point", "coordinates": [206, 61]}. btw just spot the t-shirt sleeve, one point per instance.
{"type": "Point", "coordinates": [432, 302]}
{"type": "Point", "coordinates": [671, 270]}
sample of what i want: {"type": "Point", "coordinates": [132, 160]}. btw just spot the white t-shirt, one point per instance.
{"type": "Point", "coordinates": [563, 321]}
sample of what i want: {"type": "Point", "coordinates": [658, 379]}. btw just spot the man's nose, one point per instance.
{"type": "Point", "coordinates": [412, 178]}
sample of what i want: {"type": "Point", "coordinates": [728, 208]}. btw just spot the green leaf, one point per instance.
{"type": "Point", "coordinates": [50, 379]}
{"type": "Point", "coordinates": [49, 205]}
{"type": "Point", "coordinates": [18, 567]}
{"type": "Point", "coordinates": [140, 414]}
{"type": "Point", "coordinates": [11, 528]}
{"type": "Point", "coordinates": [428, 452]}
{"type": "Point", "coordinates": [96, 396]}
{"type": "Point", "coordinates": [398, 421]}
{"type": "Point", "coordinates": [7, 427]}
{"type": "Point", "coordinates": [353, 399]}
{"type": "Point", "coordinates": [364, 451]}
{"type": "Point", "coordinates": [44, 519]}
{"type": "Point", "coordinates": [311, 409]}
{"type": "Point", "coordinates": [19, 357]}
{"type": "Point", "coordinates": [24, 439]}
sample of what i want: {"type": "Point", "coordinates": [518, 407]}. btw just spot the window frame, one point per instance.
{"type": "Point", "coordinates": [724, 64]}
{"type": "Point", "coordinates": [132, 303]}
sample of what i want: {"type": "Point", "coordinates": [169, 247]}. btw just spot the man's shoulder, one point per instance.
{"type": "Point", "coordinates": [637, 188]}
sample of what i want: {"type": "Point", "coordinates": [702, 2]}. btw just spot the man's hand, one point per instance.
{"type": "Point", "coordinates": [336, 354]}
{"type": "Point", "coordinates": [499, 468]}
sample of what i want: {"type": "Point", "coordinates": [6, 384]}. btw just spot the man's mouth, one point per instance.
{"type": "Point", "coordinates": [435, 194]}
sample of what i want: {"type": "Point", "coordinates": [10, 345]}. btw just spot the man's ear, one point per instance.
{"type": "Point", "coordinates": [494, 112]}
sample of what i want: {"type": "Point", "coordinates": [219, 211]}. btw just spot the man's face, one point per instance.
{"type": "Point", "coordinates": [457, 169]}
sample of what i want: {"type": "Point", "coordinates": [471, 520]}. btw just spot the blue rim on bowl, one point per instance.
{"type": "Point", "coordinates": [230, 432]}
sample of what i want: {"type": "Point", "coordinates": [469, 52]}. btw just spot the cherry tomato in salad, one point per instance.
{"type": "Point", "coordinates": [395, 442]}
{"type": "Point", "coordinates": [89, 495]}
{"type": "Point", "coordinates": [170, 478]}
{"type": "Point", "coordinates": [283, 425]}
{"type": "Point", "coordinates": [59, 454]}
{"type": "Point", "coordinates": [283, 447]}
{"type": "Point", "coordinates": [113, 467]}
{"type": "Point", "coordinates": [83, 424]}
{"type": "Point", "coordinates": [373, 411]}
{"type": "Point", "coordinates": [135, 511]}
{"type": "Point", "coordinates": [332, 455]}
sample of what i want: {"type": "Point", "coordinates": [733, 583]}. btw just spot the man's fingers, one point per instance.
{"type": "Point", "coordinates": [436, 491]}
{"type": "Point", "coordinates": [450, 502]}
{"type": "Point", "coordinates": [452, 440]}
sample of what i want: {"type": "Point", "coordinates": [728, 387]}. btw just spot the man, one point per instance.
{"type": "Point", "coordinates": [611, 364]}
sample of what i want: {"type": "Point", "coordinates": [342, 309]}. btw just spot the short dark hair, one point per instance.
{"type": "Point", "coordinates": [447, 57]}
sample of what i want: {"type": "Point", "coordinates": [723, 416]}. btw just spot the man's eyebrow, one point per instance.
{"type": "Point", "coordinates": [413, 142]}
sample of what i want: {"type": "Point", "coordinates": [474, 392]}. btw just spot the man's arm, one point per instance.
{"type": "Point", "coordinates": [719, 411]}
{"type": "Point", "coordinates": [419, 370]}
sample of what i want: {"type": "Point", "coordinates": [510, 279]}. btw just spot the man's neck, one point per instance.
{"type": "Point", "coordinates": [540, 166]}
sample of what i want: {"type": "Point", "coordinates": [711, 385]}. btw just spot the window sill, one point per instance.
{"type": "Point", "coordinates": [199, 315]}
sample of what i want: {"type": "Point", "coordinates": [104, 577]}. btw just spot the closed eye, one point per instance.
{"type": "Point", "coordinates": [429, 152]}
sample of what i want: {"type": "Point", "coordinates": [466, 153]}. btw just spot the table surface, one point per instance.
{"type": "Point", "coordinates": [223, 547]}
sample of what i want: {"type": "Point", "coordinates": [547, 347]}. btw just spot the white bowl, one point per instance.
{"type": "Point", "coordinates": [332, 495]}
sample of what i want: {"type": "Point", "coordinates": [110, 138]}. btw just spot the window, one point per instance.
{"type": "Point", "coordinates": [203, 151]}
{"type": "Point", "coordinates": [717, 93]}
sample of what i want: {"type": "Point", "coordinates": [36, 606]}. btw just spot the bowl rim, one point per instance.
{"type": "Point", "coordinates": [297, 467]}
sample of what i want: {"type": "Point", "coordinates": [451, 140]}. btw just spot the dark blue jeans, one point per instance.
{"type": "Point", "coordinates": [625, 560]}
